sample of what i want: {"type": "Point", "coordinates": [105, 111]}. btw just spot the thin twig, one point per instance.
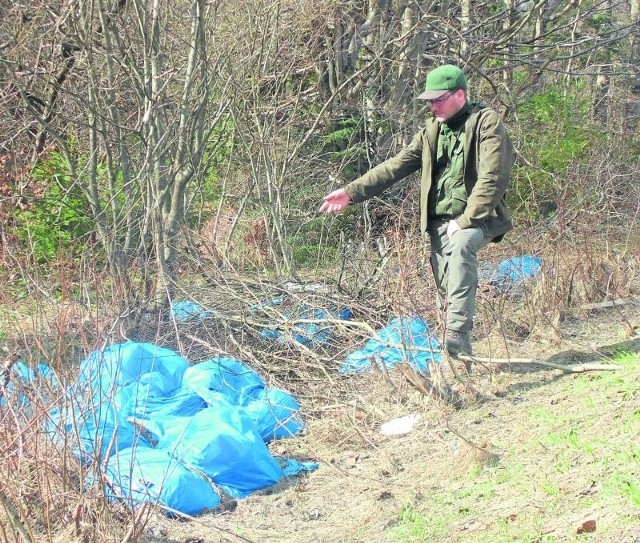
{"type": "Point", "coordinates": [608, 303]}
{"type": "Point", "coordinates": [14, 518]}
{"type": "Point", "coordinates": [137, 525]}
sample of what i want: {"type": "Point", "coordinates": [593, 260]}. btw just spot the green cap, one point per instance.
{"type": "Point", "coordinates": [443, 79]}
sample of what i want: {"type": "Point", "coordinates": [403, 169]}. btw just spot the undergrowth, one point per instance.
{"type": "Point", "coordinates": [576, 444]}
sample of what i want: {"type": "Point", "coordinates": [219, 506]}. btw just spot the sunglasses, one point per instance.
{"type": "Point", "coordinates": [440, 99]}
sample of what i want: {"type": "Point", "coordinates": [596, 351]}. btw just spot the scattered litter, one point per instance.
{"type": "Point", "coordinates": [21, 375]}
{"type": "Point", "coordinates": [514, 271]}
{"type": "Point", "coordinates": [308, 287]}
{"type": "Point", "coordinates": [186, 310]}
{"type": "Point", "coordinates": [403, 425]}
{"type": "Point", "coordinates": [310, 334]}
{"type": "Point", "coordinates": [587, 527]}
{"type": "Point", "coordinates": [291, 467]}
{"type": "Point", "coordinates": [404, 339]}
{"type": "Point", "coordinates": [384, 495]}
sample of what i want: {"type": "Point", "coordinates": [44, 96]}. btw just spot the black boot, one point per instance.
{"type": "Point", "coordinates": [458, 343]}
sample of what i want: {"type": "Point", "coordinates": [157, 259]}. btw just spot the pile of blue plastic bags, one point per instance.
{"type": "Point", "coordinates": [163, 431]}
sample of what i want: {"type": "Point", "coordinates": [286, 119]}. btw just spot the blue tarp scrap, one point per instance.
{"type": "Point", "coordinates": [515, 270]}
{"type": "Point", "coordinates": [41, 378]}
{"type": "Point", "coordinates": [212, 418]}
{"type": "Point", "coordinates": [317, 333]}
{"type": "Point", "coordinates": [275, 301]}
{"type": "Point", "coordinates": [291, 466]}
{"type": "Point", "coordinates": [186, 310]}
{"type": "Point", "coordinates": [403, 339]}
{"type": "Point", "coordinates": [310, 334]}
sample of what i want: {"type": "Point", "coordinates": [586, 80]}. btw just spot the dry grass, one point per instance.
{"type": "Point", "coordinates": [368, 482]}
{"type": "Point", "coordinates": [370, 487]}
{"type": "Point", "coordinates": [41, 488]}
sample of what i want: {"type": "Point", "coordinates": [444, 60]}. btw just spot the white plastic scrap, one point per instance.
{"type": "Point", "coordinates": [403, 425]}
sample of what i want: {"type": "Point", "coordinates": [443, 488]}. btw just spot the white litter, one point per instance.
{"type": "Point", "coordinates": [403, 425]}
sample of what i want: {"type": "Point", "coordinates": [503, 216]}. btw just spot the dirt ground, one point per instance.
{"type": "Point", "coordinates": [377, 488]}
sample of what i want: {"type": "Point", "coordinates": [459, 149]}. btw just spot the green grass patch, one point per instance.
{"type": "Point", "coordinates": [415, 526]}
{"type": "Point", "coordinates": [573, 451]}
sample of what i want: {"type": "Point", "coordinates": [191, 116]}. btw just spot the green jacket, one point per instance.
{"type": "Point", "coordinates": [488, 156]}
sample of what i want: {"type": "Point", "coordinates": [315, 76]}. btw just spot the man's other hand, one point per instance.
{"type": "Point", "coordinates": [452, 229]}
{"type": "Point", "coordinates": [335, 202]}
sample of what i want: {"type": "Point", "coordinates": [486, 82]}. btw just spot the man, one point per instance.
{"type": "Point", "coordinates": [466, 157]}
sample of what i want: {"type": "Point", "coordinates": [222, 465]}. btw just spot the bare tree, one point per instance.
{"type": "Point", "coordinates": [125, 92]}
{"type": "Point", "coordinates": [136, 95]}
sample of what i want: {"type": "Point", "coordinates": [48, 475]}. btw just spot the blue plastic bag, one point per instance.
{"type": "Point", "coordinates": [104, 371]}
{"type": "Point", "coordinates": [41, 379]}
{"type": "Point", "coordinates": [143, 474]}
{"type": "Point", "coordinates": [310, 334]}
{"type": "Point", "coordinates": [143, 399]}
{"type": "Point", "coordinates": [292, 467]}
{"type": "Point", "coordinates": [403, 339]}
{"type": "Point", "coordinates": [276, 414]}
{"type": "Point", "coordinates": [186, 310]}
{"type": "Point", "coordinates": [213, 418]}
{"type": "Point", "coordinates": [101, 431]}
{"type": "Point", "coordinates": [225, 380]}
{"type": "Point", "coordinates": [224, 444]}
{"type": "Point", "coordinates": [515, 270]}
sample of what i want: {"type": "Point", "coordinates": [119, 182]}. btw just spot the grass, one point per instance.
{"type": "Point", "coordinates": [569, 455]}
{"type": "Point", "coordinates": [565, 447]}
{"type": "Point", "coordinates": [415, 526]}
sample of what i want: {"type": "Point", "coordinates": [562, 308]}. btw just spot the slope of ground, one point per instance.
{"type": "Point", "coordinates": [544, 456]}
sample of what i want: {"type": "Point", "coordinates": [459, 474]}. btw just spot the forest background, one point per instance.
{"type": "Point", "coordinates": [154, 152]}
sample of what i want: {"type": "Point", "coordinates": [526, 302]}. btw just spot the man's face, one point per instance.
{"type": "Point", "coordinates": [447, 105]}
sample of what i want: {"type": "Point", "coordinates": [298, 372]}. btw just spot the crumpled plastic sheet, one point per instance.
{"type": "Point", "coordinates": [158, 425]}
{"type": "Point", "coordinates": [513, 272]}
{"type": "Point", "coordinates": [186, 310]}
{"type": "Point", "coordinates": [404, 339]}
{"type": "Point", "coordinates": [21, 375]}
{"type": "Point", "coordinates": [310, 334]}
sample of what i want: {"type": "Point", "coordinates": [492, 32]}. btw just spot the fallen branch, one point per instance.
{"type": "Point", "coordinates": [436, 387]}
{"type": "Point", "coordinates": [574, 368]}
{"type": "Point", "coordinates": [608, 303]}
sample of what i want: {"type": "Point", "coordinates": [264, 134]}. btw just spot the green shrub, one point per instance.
{"type": "Point", "coordinates": [317, 242]}
{"type": "Point", "coordinates": [555, 133]}
{"type": "Point", "coordinates": [345, 143]}
{"type": "Point", "coordinates": [54, 215]}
